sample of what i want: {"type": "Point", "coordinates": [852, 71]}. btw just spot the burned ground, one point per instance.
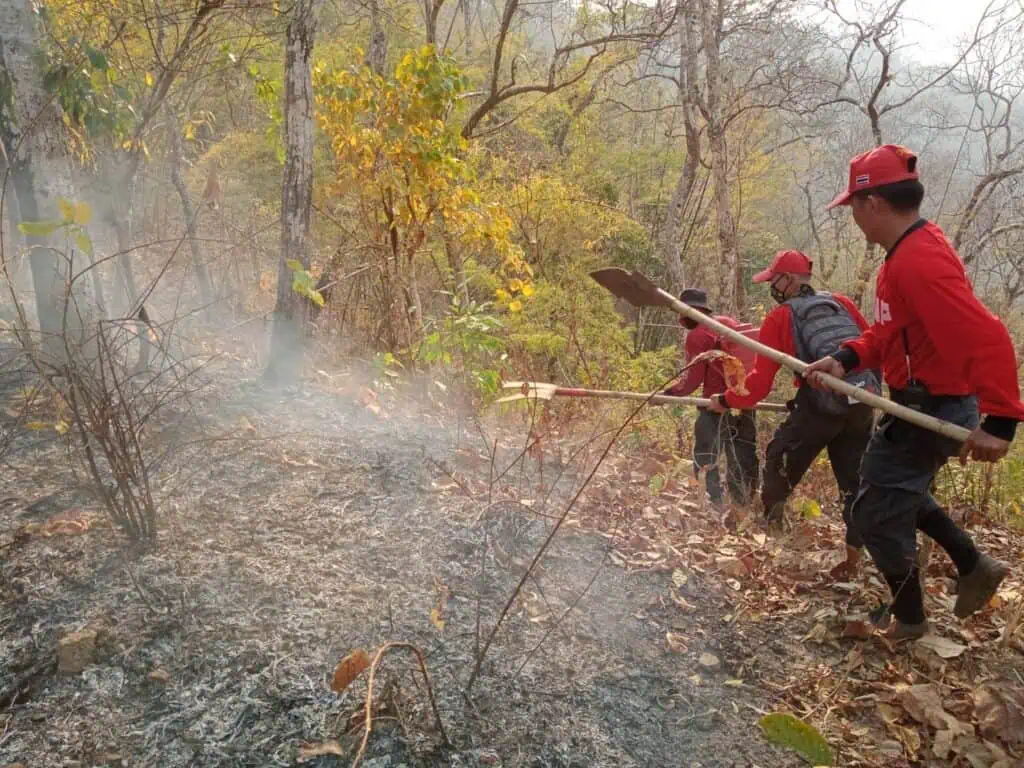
{"type": "Point", "coordinates": [322, 528]}
{"type": "Point", "coordinates": [300, 525]}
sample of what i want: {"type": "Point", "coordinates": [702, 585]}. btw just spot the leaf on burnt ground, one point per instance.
{"type": "Point", "coordinates": [312, 751]}
{"type": "Point", "coordinates": [675, 642]}
{"type": "Point", "coordinates": [348, 669]}
{"type": "Point", "coordinates": [789, 731]}
{"type": "Point", "coordinates": [437, 613]}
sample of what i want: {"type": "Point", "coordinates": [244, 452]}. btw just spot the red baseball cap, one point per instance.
{"type": "Point", "coordinates": [877, 167]}
{"type": "Point", "coordinates": [785, 262]}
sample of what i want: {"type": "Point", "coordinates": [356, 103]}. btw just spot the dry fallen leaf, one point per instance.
{"type": "Point", "coordinates": [942, 745]}
{"type": "Point", "coordinates": [349, 669]}
{"type": "Point", "coordinates": [67, 523]}
{"type": "Point", "coordinates": [735, 375]}
{"type": "Point", "coordinates": [923, 703]}
{"type": "Point", "coordinates": [675, 642]}
{"type": "Point", "coordinates": [854, 659]}
{"type": "Point", "coordinates": [860, 630]}
{"type": "Point", "coordinates": [732, 368]}
{"type": "Point", "coordinates": [708, 661]}
{"type": "Point", "coordinates": [1000, 713]}
{"type": "Point", "coordinates": [308, 751]}
{"type": "Point", "coordinates": [947, 649]}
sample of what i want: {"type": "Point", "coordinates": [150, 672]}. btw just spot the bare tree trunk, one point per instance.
{"type": "Point", "coordinates": [175, 156]}
{"type": "Point", "coordinates": [13, 245]}
{"type": "Point", "coordinates": [36, 148]}
{"type": "Point", "coordinates": [731, 277]}
{"type": "Point", "coordinates": [675, 225]}
{"type": "Point", "coordinates": [377, 50]}
{"type": "Point", "coordinates": [467, 20]}
{"type": "Point", "coordinates": [457, 267]}
{"type": "Point", "coordinates": [286, 344]}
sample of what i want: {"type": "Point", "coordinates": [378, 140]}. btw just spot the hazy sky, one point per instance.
{"type": "Point", "coordinates": [935, 26]}
{"type": "Point", "coordinates": [938, 25]}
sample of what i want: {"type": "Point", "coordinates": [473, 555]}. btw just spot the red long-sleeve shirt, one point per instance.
{"type": "Point", "coordinates": [777, 333]}
{"type": "Point", "coordinates": [699, 340]}
{"type": "Point", "coordinates": [957, 346]}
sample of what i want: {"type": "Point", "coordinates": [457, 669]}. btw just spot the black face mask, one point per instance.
{"type": "Point", "coordinates": [779, 296]}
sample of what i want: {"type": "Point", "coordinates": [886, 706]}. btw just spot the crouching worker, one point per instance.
{"type": "Point", "coordinates": [808, 325]}
{"type": "Point", "coordinates": [942, 352]}
{"type": "Point", "coordinates": [715, 433]}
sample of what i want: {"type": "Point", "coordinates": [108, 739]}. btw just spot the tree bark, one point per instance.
{"type": "Point", "coordinates": [13, 243]}
{"type": "Point", "coordinates": [377, 50]}
{"type": "Point", "coordinates": [467, 19]}
{"type": "Point", "coordinates": [32, 131]}
{"type": "Point", "coordinates": [672, 240]}
{"type": "Point", "coordinates": [291, 311]}
{"type": "Point", "coordinates": [733, 287]}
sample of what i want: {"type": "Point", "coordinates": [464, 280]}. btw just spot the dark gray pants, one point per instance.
{"type": "Point", "coordinates": [736, 436]}
{"type": "Point", "coordinates": [894, 501]}
{"type": "Point", "coordinates": [797, 443]}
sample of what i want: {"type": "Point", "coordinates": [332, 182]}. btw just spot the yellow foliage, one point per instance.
{"type": "Point", "coordinates": [412, 173]}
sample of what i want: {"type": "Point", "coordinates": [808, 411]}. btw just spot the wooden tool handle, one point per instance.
{"type": "Point", "coordinates": [944, 428]}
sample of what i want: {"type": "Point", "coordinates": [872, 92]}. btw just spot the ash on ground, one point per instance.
{"type": "Point", "coordinates": [314, 526]}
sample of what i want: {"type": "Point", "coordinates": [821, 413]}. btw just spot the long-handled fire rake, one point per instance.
{"type": "Point", "coordinates": [641, 292]}
{"type": "Point", "coordinates": [542, 391]}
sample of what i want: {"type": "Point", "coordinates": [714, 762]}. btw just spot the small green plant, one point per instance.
{"type": "Point", "coordinates": [466, 339]}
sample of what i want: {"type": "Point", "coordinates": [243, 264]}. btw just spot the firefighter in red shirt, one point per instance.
{"type": "Point", "coordinates": [941, 352]}
{"type": "Point", "coordinates": [808, 325]}
{"type": "Point", "coordinates": [713, 432]}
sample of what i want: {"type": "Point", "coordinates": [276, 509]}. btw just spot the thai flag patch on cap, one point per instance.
{"type": "Point", "coordinates": [862, 180]}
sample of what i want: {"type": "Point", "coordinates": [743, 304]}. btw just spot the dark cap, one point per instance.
{"type": "Point", "coordinates": [696, 298]}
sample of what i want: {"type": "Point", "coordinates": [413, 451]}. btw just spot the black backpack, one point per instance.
{"type": "Point", "coordinates": [820, 325]}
